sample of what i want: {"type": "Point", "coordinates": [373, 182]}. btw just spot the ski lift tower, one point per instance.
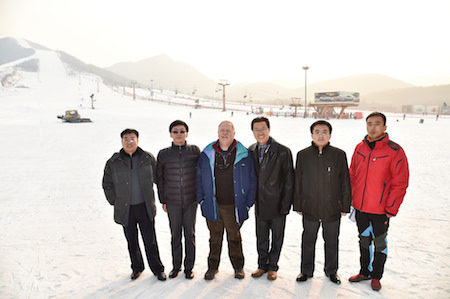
{"type": "Point", "coordinates": [223, 83]}
{"type": "Point", "coordinates": [295, 103]}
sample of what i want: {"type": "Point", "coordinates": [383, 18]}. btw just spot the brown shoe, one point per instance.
{"type": "Point", "coordinates": [272, 275]}
{"type": "Point", "coordinates": [258, 273]}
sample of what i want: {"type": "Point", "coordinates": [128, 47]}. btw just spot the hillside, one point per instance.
{"type": "Point", "coordinates": [392, 100]}
{"type": "Point", "coordinates": [166, 73]}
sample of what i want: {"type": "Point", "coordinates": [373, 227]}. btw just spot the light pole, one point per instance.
{"type": "Point", "coordinates": [305, 68]}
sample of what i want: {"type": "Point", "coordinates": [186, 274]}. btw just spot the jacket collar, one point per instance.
{"type": "Point", "coordinates": [179, 146]}
{"type": "Point", "coordinates": [372, 144]}
{"type": "Point", "coordinates": [241, 152]}
{"type": "Point", "coordinates": [325, 148]}
{"type": "Point", "coordinates": [124, 155]}
{"type": "Point", "coordinates": [217, 148]}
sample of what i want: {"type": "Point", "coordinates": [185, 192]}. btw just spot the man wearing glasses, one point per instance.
{"type": "Point", "coordinates": [226, 187]}
{"type": "Point", "coordinates": [322, 195]}
{"type": "Point", "coordinates": [176, 176]}
{"type": "Point", "coordinates": [275, 172]}
{"type": "Point", "coordinates": [128, 185]}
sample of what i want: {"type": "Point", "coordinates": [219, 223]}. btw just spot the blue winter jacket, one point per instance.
{"type": "Point", "coordinates": [244, 183]}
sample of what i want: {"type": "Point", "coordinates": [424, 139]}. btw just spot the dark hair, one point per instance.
{"type": "Point", "coordinates": [129, 131]}
{"type": "Point", "coordinates": [260, 119]}
{"type": "Point", "coordinates": [321, 122]}
{"type": "Point", "coordinates": [379, 114]}
{"type": "Point", "coordinates": [178, 123]}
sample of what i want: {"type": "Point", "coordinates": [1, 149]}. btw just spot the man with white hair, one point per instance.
{"type": "Point", "coordinates": [226, 190]}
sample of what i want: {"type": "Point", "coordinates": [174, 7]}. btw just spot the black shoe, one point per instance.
{"type": "Point", "coordinates": [334, 278]}
{"type": "Point", "coordinates": [209, 275]}
{"type": "Point", "coordinates": [162, 276]}
{"type": "Point", "coordinates": [135, 275]}
{"type": "Point", "coordinates": [174, 273]}
{"type": "Point", "coordinates": [189, 274]}
{"type": "Point", "coordinates": [239, 273]}
{"type": "Point", "coordinates": [302, 277]}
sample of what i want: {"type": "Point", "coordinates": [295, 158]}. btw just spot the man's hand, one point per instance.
{"type": "Point", "coordinates": [343, 214]}
{"type": "Point", "coordinates": [300, 213]}
{"type": "Point", "coordinates": [164, 207]}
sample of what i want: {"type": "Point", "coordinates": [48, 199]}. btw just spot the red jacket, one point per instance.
{"type": "Point", "coordinates": [379, 177]}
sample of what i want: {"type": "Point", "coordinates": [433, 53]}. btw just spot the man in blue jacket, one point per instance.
{"type": "Point", "coordinates": [226, 190]}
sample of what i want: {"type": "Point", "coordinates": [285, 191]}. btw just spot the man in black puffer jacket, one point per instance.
{"type": "Point", "coordinates": [176, 180]}
{"type": "Point", "coordinates": [322, 195]}
{"type": "Point", "coordinates": [275, 172]}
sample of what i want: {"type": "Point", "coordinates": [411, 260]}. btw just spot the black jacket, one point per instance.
{"type": "Point", "coordinates": [117, 183]}
{"type": "Point", "coordinates": [322, 183]}
{"type": "Point", "coordinates": [275, 180]}
{"type": "Point", "coordinates": [176, 174]}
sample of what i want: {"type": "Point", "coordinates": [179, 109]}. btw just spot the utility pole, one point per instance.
{"type": "Point", "coordinates": [134, 89]}
{"type": "Point", "coordinates": [223, 84]}
{"type": "Point", "coordinates": [305, 68]}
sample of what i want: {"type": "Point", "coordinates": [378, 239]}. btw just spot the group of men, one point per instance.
{"type": "Point", "coordinates": [226, 179]}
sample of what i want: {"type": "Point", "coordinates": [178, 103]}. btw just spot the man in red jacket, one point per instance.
{"type": "Point", "coordinates": [379, 177]}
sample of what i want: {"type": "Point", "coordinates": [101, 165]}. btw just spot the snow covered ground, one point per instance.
{"type": "Point", "coordinates": [58, 238]}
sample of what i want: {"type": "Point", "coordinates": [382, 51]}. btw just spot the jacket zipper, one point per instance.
{"type": "Point", "coordinates": [365, 182]}
{"type": "Point", "coordinates": [382, 193]}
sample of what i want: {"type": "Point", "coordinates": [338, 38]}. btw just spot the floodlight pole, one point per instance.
{"type": "Point", "coordinates": [305, 68]}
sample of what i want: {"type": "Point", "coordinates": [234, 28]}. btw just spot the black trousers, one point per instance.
{"type": "Point", "coordinates": [182, 219]}
{"type": "Point", "coordinates": [372, 230]}
{"type": "Point", "coordinates": [139, 216]}
{"type": "Point", "coordinates": [268, 259]}
{"type": "Point", "coordinates": [227, 221]}
{"type": "Point", "coordinates": [330, 233]}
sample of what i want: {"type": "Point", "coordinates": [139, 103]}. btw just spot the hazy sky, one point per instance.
{"type": "Point", "coordinates": [246, 40]}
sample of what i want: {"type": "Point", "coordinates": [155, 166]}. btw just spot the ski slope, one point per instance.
{"type": "Point", "coordinates": [59, 240]}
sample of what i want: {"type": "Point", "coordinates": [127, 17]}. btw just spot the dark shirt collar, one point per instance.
{"type": "Point", "coordinates": [269, 142]}
{"type": "Point", "coordinates": [124, 154]}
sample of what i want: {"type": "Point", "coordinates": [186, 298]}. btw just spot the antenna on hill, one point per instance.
{"type": "Point", "coordinates": [223, 83]}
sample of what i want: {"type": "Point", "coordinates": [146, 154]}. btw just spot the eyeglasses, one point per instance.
{"type": "Point", "coordinates": [130, 139]}
{"type": "Point", "coordinates": [260, 130]}
{"type": "Point", "coordinates": [178, 132]}
{"type": "Point", "coordinates": [324, 132]}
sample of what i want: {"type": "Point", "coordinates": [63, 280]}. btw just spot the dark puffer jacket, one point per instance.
{"type": "Point", "coordinates": [176, 174]}
{"type": "Point", "coordinates": [275, 174]}
{"type": "Point", "coordinates": [322, 183]}
{"type": "Point", "coordinates": [117, 183]}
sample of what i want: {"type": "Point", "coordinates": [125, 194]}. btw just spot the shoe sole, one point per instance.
{"type": "Point", "coordinates": [359, 279]}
